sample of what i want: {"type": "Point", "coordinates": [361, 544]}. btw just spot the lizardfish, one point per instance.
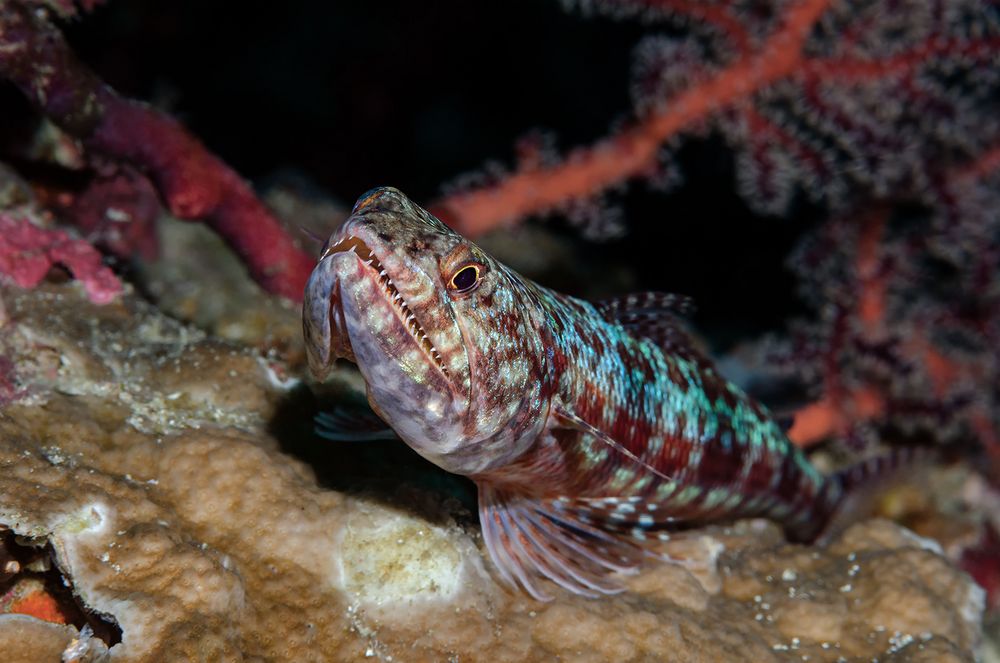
{"type": "Point", "coordinates": [589, 428]}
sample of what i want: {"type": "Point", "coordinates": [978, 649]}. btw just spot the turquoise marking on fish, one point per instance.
{"type": "Point", "coordinates": [584, 425]}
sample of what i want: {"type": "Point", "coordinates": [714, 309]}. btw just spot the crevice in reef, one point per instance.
{"type": "Point", "coordinates": [32, 584]}
{"type": "Point", "coordinates": [382, 470]}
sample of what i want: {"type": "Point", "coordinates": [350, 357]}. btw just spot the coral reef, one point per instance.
{"type": "Point", "coordinates": [140, 460]}
{"type": "Point", "coordinates": [162, 496]}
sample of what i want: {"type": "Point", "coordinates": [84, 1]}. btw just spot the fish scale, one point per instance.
{"type": "Point", "coordinates": [588, 428]}
{"type": "Point", "coordinates": [634, 391]}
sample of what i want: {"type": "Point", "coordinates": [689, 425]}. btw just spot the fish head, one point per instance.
{"type": "Point", "coordinates": [446, 337]}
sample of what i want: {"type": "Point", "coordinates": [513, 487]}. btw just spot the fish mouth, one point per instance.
{"type": "Point", "coordinates": [405, 315]}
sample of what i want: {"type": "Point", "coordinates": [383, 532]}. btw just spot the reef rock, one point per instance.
{"type": "Point", "coordinates": [149, 491]}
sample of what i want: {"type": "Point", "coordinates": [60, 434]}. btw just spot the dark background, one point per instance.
{"type": "Point", "coordinates": [416, 94]}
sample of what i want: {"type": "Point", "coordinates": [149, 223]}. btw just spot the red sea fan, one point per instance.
{"type": "Point", "coordinates": [838, 100]}
{"type": "Point", "coordinates": [907, 335]}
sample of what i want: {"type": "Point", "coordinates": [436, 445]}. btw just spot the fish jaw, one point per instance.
{"type": "Point", "coordinates": [374, 304]}
{"type": "Point", "coordinates": [406, 387]}
{"type": "Point", "coordinates": [460, 374]}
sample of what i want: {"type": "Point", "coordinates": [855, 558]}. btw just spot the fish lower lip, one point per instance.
{"type": "Point", "coordinates": [336, 322]}
{"type": "Point", "coordinates": [323, 325]}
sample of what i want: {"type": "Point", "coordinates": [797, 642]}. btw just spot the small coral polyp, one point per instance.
{"type": "Point", "coordinates": [388, 558]}
{"type": "Point", "coordinates": [89, 519]}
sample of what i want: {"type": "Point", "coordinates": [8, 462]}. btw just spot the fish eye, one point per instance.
{"type": "Point", "coordinates": [465, 279]}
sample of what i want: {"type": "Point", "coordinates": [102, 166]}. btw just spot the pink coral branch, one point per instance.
{"type": "Point", "coordinates": [633, 151]}
{"type": "Point", "coordinates": [27, 252]}
{"type": "Point", "coordinates": [194, 183]}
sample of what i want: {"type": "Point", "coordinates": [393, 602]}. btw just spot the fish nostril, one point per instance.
{"type": "Point", "coordinates": [366, 199]}
{"type": "Point", "coordinates": [381, 199]}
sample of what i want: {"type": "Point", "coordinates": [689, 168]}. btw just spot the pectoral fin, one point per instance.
{"type": "Point", "coordinates": [352, 423]}
{"type": "Point", "coordinates": [530, 539]}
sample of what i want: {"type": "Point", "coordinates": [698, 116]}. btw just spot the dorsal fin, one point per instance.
{"type": "Point", "coordinates": [654, 302]}
{"type": "Point", "coordinates": [656, 316]}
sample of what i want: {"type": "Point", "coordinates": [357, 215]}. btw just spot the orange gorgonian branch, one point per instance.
{"type": "Point", "coordinates": [817, 72]}
{"type": "Point", "coordinates": [882, 307]}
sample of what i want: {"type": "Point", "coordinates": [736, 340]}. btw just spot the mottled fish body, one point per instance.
{"type": "Point", "coordinates": [588, 428]}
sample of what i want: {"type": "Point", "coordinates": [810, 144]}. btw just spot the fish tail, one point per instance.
{"type": "Point", "coordinates": [856, 489]}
